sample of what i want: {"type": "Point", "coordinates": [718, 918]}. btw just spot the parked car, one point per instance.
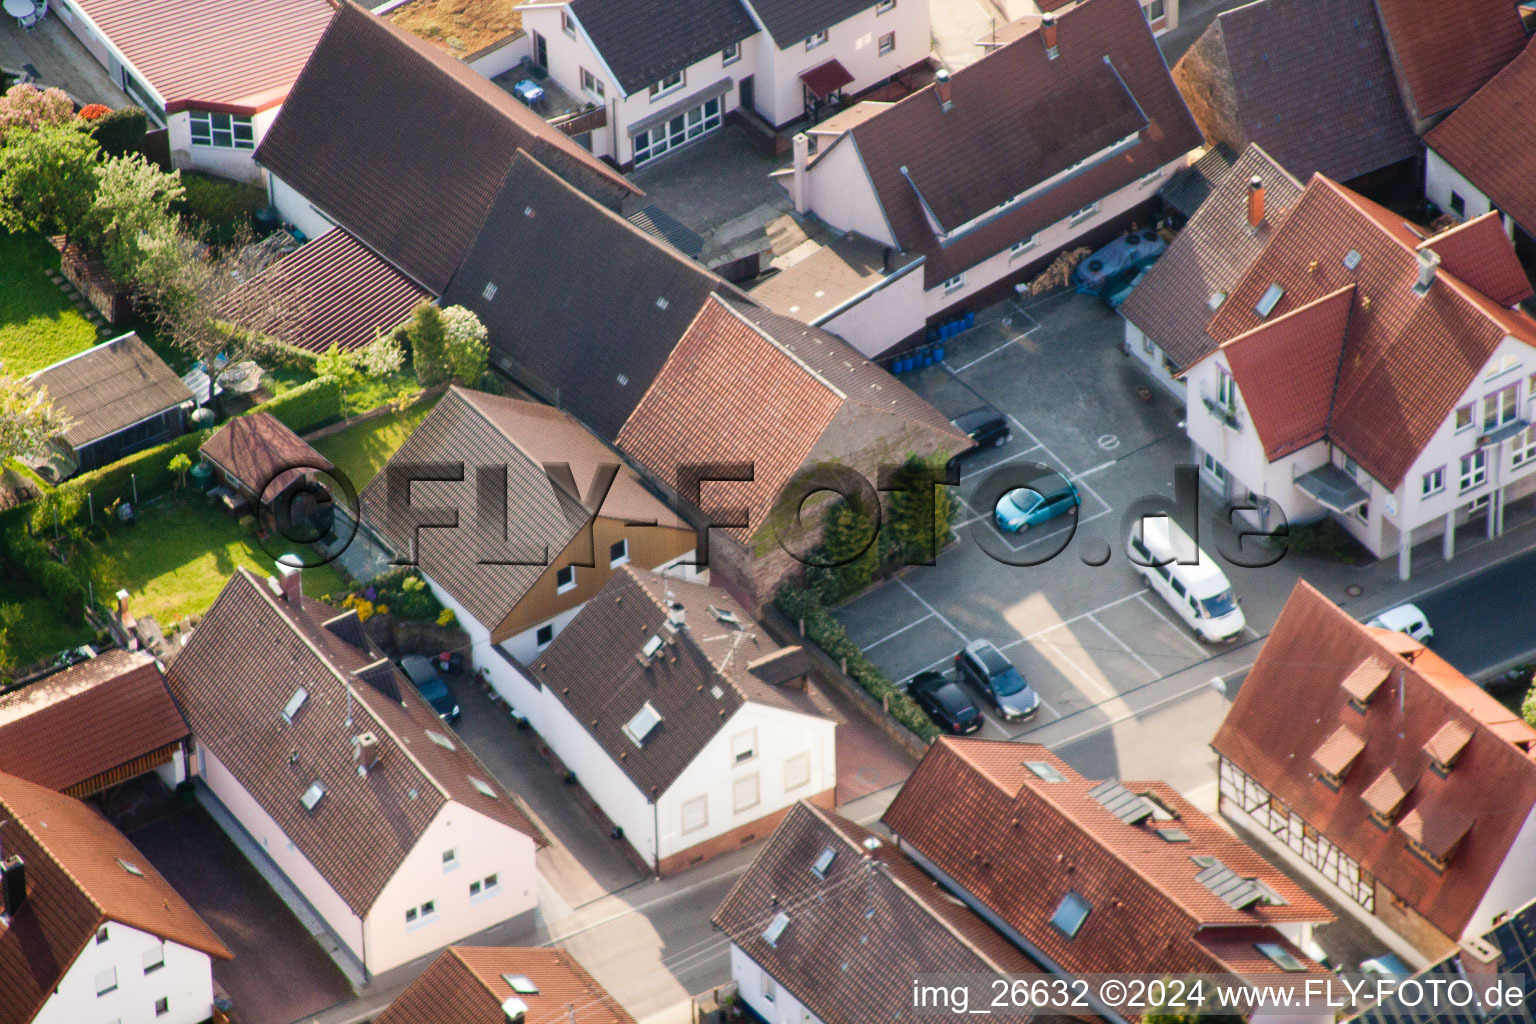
{"type": "Point", "coordinates": [1042, 499]}
{"type": "Point", "coordinates": [941, 697]}
{"type": "Point", "coordinates": [986, 426]}
{"type": "Point", "coordinates": [1197, 591]}
{"type": "Point", "coordinates": [1405, 618]}
{"type": "Point", "coordinates": [432, 689]}
{"type": "Point", "coordinates": [984, 667]}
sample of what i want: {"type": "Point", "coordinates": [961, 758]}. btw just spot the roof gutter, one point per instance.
{"type": "Point", "coordinates": [883, 283]}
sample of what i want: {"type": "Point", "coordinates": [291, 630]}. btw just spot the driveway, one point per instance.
{"type": "Point", "coordinates": [279, 973]}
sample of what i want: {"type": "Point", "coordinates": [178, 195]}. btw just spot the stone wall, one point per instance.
{"type": "Point", "coordinates": [1204, 76]}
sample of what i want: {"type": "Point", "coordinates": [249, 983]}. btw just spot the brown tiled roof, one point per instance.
{"type": "Point", "coordinates": [587, 326]}
{"type": "Point", "coordinates": [1339, 750]}
{"type": "Point", "coordinates": [1406, 360]}
{"type": "Point", "coordinates": [695, 683]}
{"type": "Point", "coordinates": [467, 985]}
{"type": "Point", "coordinates": [76, 882]}
{"type": "Point", "coordinates": [235, 56]}
{"type": "Point", "coordinates": [1310, 82]}
{"type": "Point", "coordinates": [1475, 253]}
{"type": "Point", "coordinates": [1438, 829]}
{"type": "Point", "coordinates": [1019, 844]}
{"type": "Point", "coordinates": [481, 430]}
{"type": "Point", "coordinates": [1172, 303]}
{"type": "Point", "coordinates": [1386, 792]}
{"type": "Point", "coordinates": [110, 387]}
{"type": "Point", "coordinates": [259, 450]}
{"type": "Point", "coordinates": [1482, 140]}
{"type": "Point", "coordinates": [1366, 678]}
{"type": "Point", "coordinates": [702, 408]}
{"type": "Point", "coordinates": [1449, 741]}
{"type": "Point", "coordinates": [67, 728]}
{"type": "Point", "coordinates": [793, 21]}
{"type": "Point", "coordinates": [858, 935]}
{"type": "Point", "coordinates": [1312, 647]}
{"type": "Point", "coordinates": [234, 678]}
{"type": "Point", "coordinates": [643, 41]}
{"type": "Point", "coordinates": [406, 146]}
{"type": "Point", "coordinates": [344, 294]}
{"type": "Point", "coordinates": [1445, 52]}
{"type": "Point", "coordinates": [846, 267]}
{"type": "Point", "coordinates": [1108, 82]}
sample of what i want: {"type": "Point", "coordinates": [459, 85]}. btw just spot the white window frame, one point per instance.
{"type": "Point", "coordinates": [769, 988]}
{"type": "Point", "coordinates": [737, 803]}
{"type": "Point", "coordinates": [482, 889]}
{"type": "Point", "coordinates": [1433, 482]}
{"type": "Point", "coordinates": [1085, 214]}
{"type": "Point", "coordinates": [541, 644]}
{"type": "Point", "coordinates": [1523, 447]}
{"type": "Point", "coordinates": [791, 764]}
{"type": "Point", "coordinates": [886, 44]}
{"type": "Point", "coordinates": [677, 131]}
{"type": "Point", "coordinates": [730, 55]}
{"type": "Point", "coordinates": [1226, 389]}
{"type": "Point", "coordinates": [1215, 470]}
{"type": "Point", "coordinates": [162, 1006]}
{"type": "Point", "coordinates": [106, 981]}
{"type": "Point", "coordinates": [593, 86]}
{"type": "Point", "coordinates": [1470, 411]}
{"type": "Point", "coordinates": [1504, 405]}
{"type": "Point", "coordinates": [744, 747]}
{"type": "Point", "coordinates": [885, 7]}
{"type": "Point", "coordinates": [815, 39]}
{"type": "Point", "coordinates": [614, 561]}
{"type": "Point", "coordinates": [567, 22]}
{"type": "Point", "coordinates": [1474, 470]}
{"type": "Point", "coordinates": [1160, 16]}
{"type": "Point", "coordinates": [667, 86]}
{"type": "Point", "coordinates": [1022, 247]}
{"type": "Point", "coordinates": [450, 859]}
{"type": "Point", "coordinates": [207, 126]}
{"type": "Point", "coordinates": [152, 965]}
{"type": "Point", "coordinates": [1506, 363]}
{"type": "Point", "coordinates": [565, 588]}
{"type": "Point", "coordinates": [955, 283]}
{"type": "Point", "coordinates": [700, 805]}
{"type": "Point", "coordinates": [426, 914]}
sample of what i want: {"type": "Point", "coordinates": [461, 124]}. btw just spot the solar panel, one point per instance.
{"type": "Point", "coordinates": [1231, 888]}
{"type": "Point", "coordinates": [1121, 802]}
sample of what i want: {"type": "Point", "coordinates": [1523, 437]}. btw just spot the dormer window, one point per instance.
{"type": "Point", "coordinates": [1435, 832]}
{"type": "Point", "coordinates": [1446, 745]}
{"type": "Point", "coordinates": [1363, 681]}
{"type": "Point", "coordinates": [1335, 756]}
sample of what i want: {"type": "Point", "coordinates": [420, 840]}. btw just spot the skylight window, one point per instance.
{"type": "Point", "coordinates": [725, 615]}
{"type": "Point", "coordinates": [130, 867]}
{"type": "Point", "coordinates": [1269, 300]}
{"type": "Point", "coordinates": [641, 726]}
{"type": "Point", "coordinates": [1070, 914]}
{"type": "Point", "coordinates": [824, 862]}
{"type": "Point", "coordinates": [483, 787]}
{"type": "Point", "coordinates": [1279, 956]}
{"type": "Point", "coordinates": [775, 930]}
{"type": "Point", "coordinates": [521, 984]}
{"type": "Point", "coordinates": [1214, 302]}
{"type": "Point", "coordinates": [1045, 771]}
{"type": "Point", "coordinates": [651, 647]}
{"type": "Point", "coordinates": [1173, 835]}
{"type": "Point", "coordinates": [1351, 259]}
{"type": "Point", "coordinates": [312, 795]}
{"type": "Point", "coordinates": [294, 703]}
{"type": "Point", "coordinates": [440, 739]}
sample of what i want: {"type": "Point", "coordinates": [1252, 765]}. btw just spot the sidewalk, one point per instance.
{"type": "Point", "coordinates": [55, 57]}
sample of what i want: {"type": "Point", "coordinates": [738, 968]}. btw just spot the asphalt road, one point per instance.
{"type": "Point", "coordinates": [1486, 621]}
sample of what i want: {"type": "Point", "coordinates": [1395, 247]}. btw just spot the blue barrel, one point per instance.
{"type": "Point", "coordinates": [938, 353]}
{"type": "Point", "coordinates": [970, 321]}
{"type": "Point", "coordinates": [925, 356]}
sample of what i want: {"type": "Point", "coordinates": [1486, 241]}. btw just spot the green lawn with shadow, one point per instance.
{"type": "Point", "coordinates": [361, 451]}
{"type": "Point", "coordinates": [38, 325]}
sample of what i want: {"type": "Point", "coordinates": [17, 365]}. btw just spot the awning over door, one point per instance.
{"type": "Point", "coordinates": [1332, 488]}
{"type": "Point", "coordinates": [825, 79]}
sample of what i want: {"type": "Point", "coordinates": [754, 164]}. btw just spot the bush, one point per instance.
{"type": "Point", "coordinates": [407, 595]}
{"type": "Point", "coordinates": [151, 467]}
{"type": "Point", "coordinates": [1528, 709]}
{"type": "Point", "coordinates": [121, 132]}
{"type": "Point", "coordinates": [822, 629]}
{"type": "Point", "coordinates": [308, 405]}
{"type": "Point", "coordinates": [221, 208]}
{"type": "Point", "coordinates": [1327, 539]}
{"type": "Point", "coordinates": [64, 590]}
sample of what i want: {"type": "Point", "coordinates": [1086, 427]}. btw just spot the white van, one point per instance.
{"type": "Point", "coordinates": [1200, 592]}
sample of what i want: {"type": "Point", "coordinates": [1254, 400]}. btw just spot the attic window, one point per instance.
{"type": "Point", "coordinates": [1044, 771]}
{"type": "Point", "coordinates": [1173, 835]}
{"type": "Point", "coordinates": [312, 795]}
{"type": "Point", "coordinates": [1202, 860]}
{"type": "Point", "coordinates": [130, 867]}
{"type": "Point", "coordinates": [1070, 914]}
{"type": "Point", "coordinates": [724, 615]}
{"type": "Point", "coordinates": [775, 930]}
{"type": "Point", "coordinates": [653, 645]}
{"type": "Point", "coordinates": [1279, 956]}
{"type": "Point", "coordinates": [294, 703]}
{"type": "Point", "coordinates": [1214, 302]}
{"type": "Point", "coordinates": [482, 787]}
{"type": "Point", "coordinates": [642, 725]}
{"type": "Point", "coordinates": [1351, 259]}
{"type": "Point", "coordinates": [824, 862]}
{"type": "Point", "coordinates": [489, 292]}
{"type": "Point", "coordinates": [440, 739]}
{"type": "Point", "coordinates": [1269, 300]}
{"type": "Point", "coordinates": [521, 984]}
{"type": "Point", "coordinates": [871, 842]}
{"type": "Point", "coordinates": [1121, 802]}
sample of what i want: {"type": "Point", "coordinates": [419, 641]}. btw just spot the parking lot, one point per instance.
{"type": "Point", "coordinates": [1084, 635]}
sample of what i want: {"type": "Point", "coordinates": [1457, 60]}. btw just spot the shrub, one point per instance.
{"type": "Point", "coordinates": [407, 594]}
{"type": "Point", "coordinates": [307, 406]}
{"type": "Point", "coordinates": [93, 111]}
{"type": "Point", "coordinates": [63, 588]}
{"type": "Point", "coordinates": [221, 208]}
{"type": "Point", "coordinates": [447, 618]}
{"type": "Point", "coordinates": [121, 132]}
{"type": "Point", "coordinates": [1528, 709]}
{"type": "Point", "coordinates": [151, 467]}
{"type": "Point", "coordinates": [26, 106]}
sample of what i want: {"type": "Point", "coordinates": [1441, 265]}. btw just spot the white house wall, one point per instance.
{"type": "Point", "coordinates": [297, 868]}
{"type": "Point", "coordinates": [239, 164]}
{"type": "Point", "coordinates": [296, 209]}
{"type": "Point", "coordinates": [482, 847]}
{"type": "Point", "coordinates": [713, 773]}
{"type": "Point", "coordinates": [185, 982]}
{"type": "Point", "coordinates": [1441, 179]}
{"type": "Point", "coordinates": [838, 190]}
{"type": "Point", "coordinates": [1149, 353]}
{"type": "Point", "coordinates": [505, 57]}
{"type": "Point", "coordinates": [525, 647]}
{"type": "Point", "coordinates": [783, 1008]}
{"type": "Point", "coordinates": [873, 324]}
{"type": "Point", "coordinates": [1513, 885]}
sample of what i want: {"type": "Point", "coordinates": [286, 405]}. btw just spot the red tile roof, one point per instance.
{"type": "Point", "coordinates": [825, 79]}
{"type": "Point", "coordinates": [1444, 52]}
{"type": "Point", "coordinates": [1482, 140]}
{"type": "Point", "coordinates": [76, 724]}
{"type": "Point", "coordinates": [76, 882]}
{"type": "Point", "coordinates": [1019, 844]}
{"type": "Point", "coordinates": [259, 451]}
{"type": "Point", "coordinates": [1477, 253]}
{"type": "Point", "coordinates": [345, 293]}
{"type": "Point", "coordinates": [1108, 82]}
{"type": "Point", "coordinates": [1315, 645]}
{"type": "Point", "coordinates": [1404, 361]}
{"type": "Point", "coordinates": [467, 985]}
{"type": "Point", "coordinates": [234, 56]}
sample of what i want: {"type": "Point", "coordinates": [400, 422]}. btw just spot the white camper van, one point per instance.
{"type": "Point", "coordinates": [1198, 592]}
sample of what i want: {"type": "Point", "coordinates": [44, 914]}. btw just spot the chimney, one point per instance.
{"type": "Point", "coordinates": [365, 750]}
{"type": "Point", "coordinates": [1048, 33]}
{"type": "Point", "coordinates": [1255, 202]}
{"type": "Point", "coordinates": [290, 580]}
{"type": "Point", "coordinates": [123, 615]}
{"type": "Point", "coordinates": [941, 89]}
{"type": "Point", "coordinates": [1479, 959]}
{"type": "Point", "coordinates": [13, 885]}
{"type": "Point", "coordinates": [799, 184]}
{"type": "Point", "coordinates": [1429, 262]}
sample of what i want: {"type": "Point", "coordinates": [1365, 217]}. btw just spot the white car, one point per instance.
{"type": "Point", "coordinates": [1405, 618]}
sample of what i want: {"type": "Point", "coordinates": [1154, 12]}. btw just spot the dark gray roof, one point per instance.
{"type": "Point", "coordinates": [405, 145]}
{"type": "Point", "coordinates": [585, 306]}
{"type": "Point", "coordinates": [643, 41]}
{"type": "Point", "coordinates": [794, 21]}
{"type": "Point", "coordinates": [1189, 188]}
{"type": "Point", "coordinates": [696, 682]}
{"type": "Point", "coordinates": [110, 387]}
{"type": "Point", "coordinates": [658, 223]}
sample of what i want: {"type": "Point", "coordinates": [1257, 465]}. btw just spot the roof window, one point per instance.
{"type": "Point", "coordinates": [824, 862]}
{"type": "Point", "coordinates": [1045, 771]}
{"type": "Point", "coordinates": [130, 867]}
{"type": "Point", "coordinates": [489, 291]}
{"type": "Point", "coordinates": [1269, 300]}
{"type": "Point", "coordinates": [312, 795]}
{"type": "Point", "coordinates": [775, 930]}
{"type": "Point", "coordinates": [1279, 956]}
{"type": "Point", "coordinates": [643, 724]}
{"type": "Point", "coordinates": [650, 648]}
{"type": "Point", "coordinates": [1214, 302]}
{"type": "Point", "coordinates": [1351, 259]}
{"type": "Point", "coordinates": [1173, 835]}
{"type": "Point", "coordinates": [1070, 914]}
{"type": "Point", "coordinates": [521, 984]}
{"type": "Point", "coordinates": [1122, 803]}
{"type": "Point", "coordinates": [481, 786]}
{"type": "Point", "coordinates": [295, 702]}
{"type": "Point", "coordinates": [440, 739]}
{"type": "Point", "coordinates": [725, 615]}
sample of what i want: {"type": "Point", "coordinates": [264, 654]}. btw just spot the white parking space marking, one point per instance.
{"type": "Point", "coordinates": [1124, 647]}
{"type": "Point", "coordinates": [1039, 538]}
{"type": "Point", "coordinates": [1096, 469]}
{"type": "Point", "coordinates": [934, 611]}
{"type": "Point", "coordinates": [988, 355]}
{"type": "Point", "coordinates": [1174, 625]}
{"type": "Point", "coordinates": [903, 629]}
{"type": "Point", "coordinates": [1068, 622]}
{"type": "Point", "coordinates": [1050, 454]}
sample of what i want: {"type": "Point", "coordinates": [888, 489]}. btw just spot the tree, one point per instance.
{"type": "Point", "coordinates": [911, 535]}
{"type": "Point", "coordinates": [1528, 709]}
{"type": "Point", "coordinates": [464, 347]}
{"type": "Point", "coordinates": [427, 335]}
{"type": "Point", "coordinates": [341, 365]}
{"type": "Point", "coordinates": [848, 539]}
{"type": "Point", "coordinates": [179, 465]}
{"type": "Point", "coordinates": [47, 179]}
{"type": "Point", "coordinates": [28, 420]}
{"type": "Point", "coordinates": [382, 357]}
{"type": "Point", "coordinates": [133, 201]}
{"type": "Point", "coordinates": [26, 107]}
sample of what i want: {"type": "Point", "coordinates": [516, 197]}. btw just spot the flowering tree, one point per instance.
{"type": "Point", "coordinates": [27, 106]}
{"type": "Point", "coordinates": [47, 179]}
{"type": "Point", "coordinates": [464, 347]}
{"type": "Point", "coordinates": [383, 356]}
{"type": "Point", "coordinates": [28, 420]}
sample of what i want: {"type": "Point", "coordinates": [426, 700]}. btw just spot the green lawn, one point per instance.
{"type": "Point", "coordinates": [38, 325]}
{"type": "Point", "coordinates": [31, 630]}
{"type": "Point", "coordinates": [360, 451]}
{"type": "Point", "coordinates": [177, 557]}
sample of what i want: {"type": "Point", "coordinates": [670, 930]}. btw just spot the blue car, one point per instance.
{"type": "Point", "coordinates": [1042, 499]}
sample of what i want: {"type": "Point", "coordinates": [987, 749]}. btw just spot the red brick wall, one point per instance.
{"type": "Point", "coordinates": [736, 838]}
{"type": "Point", "coordinates": [1412, 925]}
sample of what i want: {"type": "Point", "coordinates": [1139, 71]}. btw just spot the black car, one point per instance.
{"type": "Point", "coordinates": [986, 426]}
{"type": "Point", "coordinates": [947, 704]}
{"type": "Point", "coordinates": [984, 666]}
{"type": "Point", "coordinates": [430, 686]}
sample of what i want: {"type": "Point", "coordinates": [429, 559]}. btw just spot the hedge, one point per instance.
{"type": "Point", "coordinates": [65, 590]}
{"type": "Point", "coordinates": [150, 469]}
{"type": "Point", "coordinates": [307, 406]}
{"type": "Point", "coordinates": [827, 633]}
